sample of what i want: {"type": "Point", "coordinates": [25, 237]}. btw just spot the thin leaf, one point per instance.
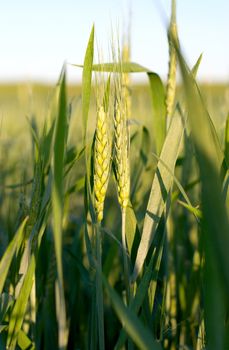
{"type": "Point", "coordinates": [24, 342]}
{"type": "Point", "coordinates": [151, 270]}
{"type": "Point", "coordinates": [9, 254]}
{"type": "Point", "coordinates": [86, 81]}
{"type": "Point", "coordinates": [210, 158]}
{"type": "Point", "coordinates": [159, 110]}
{"type": "Point", "coordinates": [106, 97]}
{"type": "Point", "coordinates": [57, 203]}
{"type": "Point", "coordinates": [195, 68]}
{"type": "Point", "coordinates": [132, 231]}
{"type": "Point", "coordinates": [19, 309]}
{"type": "Point", "coordinates": [181, 189]}
{"type": "Point", "coordinates": [161, 186]}
{"type": "Point", "coordinates": [226, 151]}
{"type": "Point", "coordinates": [192, 209]}
{"type": "Point", "coordinates": [215, 237]}
{"type": "Point", "coordinates": [132, 325]}
{"type": "Point", "coordinates": [126, 67]}
{"type": "Point", "coordinates": [6, 302]}
{"type": "Point", "coordinates": [141, 160]}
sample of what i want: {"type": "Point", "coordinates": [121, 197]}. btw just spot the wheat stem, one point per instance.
{"type": "Point", "coordinates": [99, 287]}
{"type": "Point", "coordinates": [125, 257]}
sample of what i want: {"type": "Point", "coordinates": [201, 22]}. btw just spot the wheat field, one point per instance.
{"type": "Point", "coordinates": [114, 209]}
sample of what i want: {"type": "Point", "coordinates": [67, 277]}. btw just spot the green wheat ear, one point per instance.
{"type": "Point", "coordinates": [102, 157]}
{"type": "Point", "coordinates": [122, 166]}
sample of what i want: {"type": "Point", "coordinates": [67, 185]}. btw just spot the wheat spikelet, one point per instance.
{"type": "Point", "coordinates": [101, 161]}
{"type": "Point", "coordinates": [121, 141]}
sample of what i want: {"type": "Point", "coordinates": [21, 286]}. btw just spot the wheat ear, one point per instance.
{"type": "Point", "coordinates": [122, 166]}
{"type": "Point", "coordinates": [102, 156]}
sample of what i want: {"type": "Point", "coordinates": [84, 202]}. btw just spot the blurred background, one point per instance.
{"type": "Point", "coordinates": [36, 37]}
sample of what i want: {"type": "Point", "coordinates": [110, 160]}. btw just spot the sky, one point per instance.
{"type": "Point", "coordinates": [36, 37]}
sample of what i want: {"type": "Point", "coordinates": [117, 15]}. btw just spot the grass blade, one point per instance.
{"type": "Point", "coordinates": [209, 157]}
{"type": "Point", "coordinates": [86, 81]}
{"type": "Point", "coordinates": [161, 186]}
{"type": "Point", "coordinates": [226, 151]}
{"type": "Point", "coordinates": [127, 67]}
{"type": "Point", "coordinates": [159, 110]}
{"type": "Point", "coordinates": [132, 325]}
{"type": "Point", "coordinates": [57, 203]}
{"type": "Point", "coordinates": [24, 342]}
{"type": "Point", "coordinates": [195, 68]}
{"type": "Point", "coordinates": [215, 230]}
{"type": "Point", "coordinates": [9, 253]}
{"type": "Point", "coordinates": [19, 309]}
{"type": "Point", "coordinates": [151, 270]}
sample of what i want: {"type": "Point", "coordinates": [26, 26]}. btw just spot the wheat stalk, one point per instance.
{"type": "Point", "coordinates": [102, 157]}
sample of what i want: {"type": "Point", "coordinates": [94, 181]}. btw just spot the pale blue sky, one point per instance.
{"type": "Point", "coordinates": [37, 36]}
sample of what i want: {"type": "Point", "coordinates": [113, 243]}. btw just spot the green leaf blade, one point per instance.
{"type": "Point", "coordinates": [161, 186]}
{"type": "Point", "coordinates": [9, 253]}
{"type": "Point", "coordinates": [60, 137]}
{"type": "Point", "coordinates": [86, 81]}
{"type": "Point", "coordinates": [159, 110]}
